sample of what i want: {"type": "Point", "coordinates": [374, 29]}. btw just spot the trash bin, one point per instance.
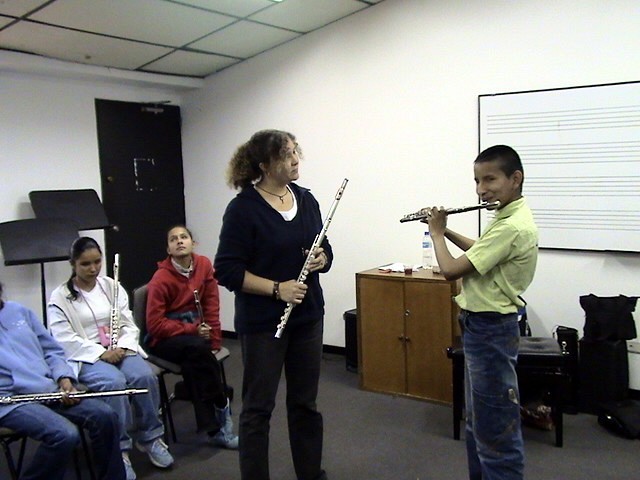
{"type": "Point", "coordinates": [351, 339]}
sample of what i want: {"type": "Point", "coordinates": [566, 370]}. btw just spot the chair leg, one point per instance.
{"type": "Point", "coordinates": [13, 471]}
{"type": "Point", "coordinates": [23, 446]}
{"type": "Point", "coordinates": [458, 395]}
{"type": "Point", "coordinates": [88, 457]}
{"type": "Point", "coordinates": [558, 408]}
{"type": "Point", "coordinates": [76, 464]}
{"type": "Point", "coordinates": [227, 389]}
{"type": "Point", "coordinates": [167, 416]}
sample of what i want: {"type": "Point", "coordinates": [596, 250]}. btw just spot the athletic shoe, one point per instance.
{"type": "Point", "coordinates": [158, 452]}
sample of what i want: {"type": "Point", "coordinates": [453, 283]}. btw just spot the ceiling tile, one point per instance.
{"type": "Point", "coordinates": [5, 21]}
{"type": "Point", "coordinates": [244, 39]}
{"type": "Point", "coordinates": [17, 8]}
{"type": "Point", "coordinates": [190, 63]}
{"type": "Point", "coordinates": [131, 34]}
{"type": "Point", "coordinates": [238, 8]}
{"type": "Point", "coordinates": [304, 16]}
{"type": "Point", "coordinates": [153, 21]}
{"type": "Point", "coordinates": [78, 47]}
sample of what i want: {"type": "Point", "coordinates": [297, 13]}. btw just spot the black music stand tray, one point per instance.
{"type": "Point", "coordinates": [37, 240]}
{"type": "Point", "coordinates": [81, 206]}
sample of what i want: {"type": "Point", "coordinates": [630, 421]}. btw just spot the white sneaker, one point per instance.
{"type": "Point", "coordinates": [128, 468]}
{"type": "Point", "coordinates": [225, 437]}
{"type": "Point", "coordinates": [158, 452]}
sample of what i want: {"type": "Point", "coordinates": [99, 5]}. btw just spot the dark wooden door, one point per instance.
{"type": "Point", "coordinates": [142, 183]}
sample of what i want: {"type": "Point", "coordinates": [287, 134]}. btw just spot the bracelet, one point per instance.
{"type": "Point", "coordinates": [276, 291]}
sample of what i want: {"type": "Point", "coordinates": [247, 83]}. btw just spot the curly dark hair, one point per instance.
{"type": "Point", "coordinates": [263, 147]}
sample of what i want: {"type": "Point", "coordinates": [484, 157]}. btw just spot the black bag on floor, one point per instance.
{"type": "Point", "coordinates": [609, 318]}
{"type": "Point", "coordinates": [621, 418]}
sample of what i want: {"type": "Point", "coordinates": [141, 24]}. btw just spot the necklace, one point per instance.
{"type": "Point", "coordinates": [281, 197]}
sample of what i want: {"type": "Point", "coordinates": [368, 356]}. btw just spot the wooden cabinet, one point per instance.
{"type": "Point", "coordinates": [405, 324]}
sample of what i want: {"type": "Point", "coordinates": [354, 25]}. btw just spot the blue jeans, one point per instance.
{"type": "Point", "coordinates": [131, 372]}
{"type": "Point", "coordinates": [495, 449]}
{"type": "Point", "coordinates": [300, 352]}
{"type": "Point", "coordinates": [56, 427]}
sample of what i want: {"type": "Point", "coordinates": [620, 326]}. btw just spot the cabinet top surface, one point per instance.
{"type": "Point", "coordinates": [420, 275]}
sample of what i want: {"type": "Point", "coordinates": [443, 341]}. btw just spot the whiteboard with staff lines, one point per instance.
{"type": "Point", "coordinates": [580, 149]}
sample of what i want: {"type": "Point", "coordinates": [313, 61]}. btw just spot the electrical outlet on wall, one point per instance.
{"type": "Point", "coordinates": [633, 346]}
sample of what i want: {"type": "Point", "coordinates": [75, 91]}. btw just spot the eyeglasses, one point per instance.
{"type": "Point", "coordinates": [296, 149]}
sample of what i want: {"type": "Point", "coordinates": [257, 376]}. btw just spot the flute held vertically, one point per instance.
{"type": "Point", "coordinates": [114, 319]}
{"type": "Point", "coordinates": [56, 396]}
{"type": "Point", "coordinates": [196, 297]}
{"type": "Point", "coordinates": [419, 215]}
{"type": "Point", "coordinates": [312, 252]}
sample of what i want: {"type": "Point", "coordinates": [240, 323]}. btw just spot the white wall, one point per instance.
{"type": "Point", "coordinates": [48, 141]}
{"type": "Point", "coordinates": [388, 99]}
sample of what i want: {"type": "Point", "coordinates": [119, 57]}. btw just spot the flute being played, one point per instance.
{"type": "Point", "coordinates": [421, 214]}
{"type": "Point", "coordinates": [312, 252]}
{"type": "Point", "coordinates": [56, 396]}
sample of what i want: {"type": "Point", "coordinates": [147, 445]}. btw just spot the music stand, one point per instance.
{"type": "Point", "coordinates": [81, 206]}
{"type": "Point", "coordinates": [37, 240]}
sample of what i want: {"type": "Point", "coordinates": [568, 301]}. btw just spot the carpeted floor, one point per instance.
{"type": "Point", "coordinates": [371, 436]}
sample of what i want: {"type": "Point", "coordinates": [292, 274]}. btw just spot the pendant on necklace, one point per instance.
{"type": "Point", "coordinates": [281, 197]}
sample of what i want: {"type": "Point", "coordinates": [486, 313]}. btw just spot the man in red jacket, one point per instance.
{"type": "Point", "coordinates": [183, 309]}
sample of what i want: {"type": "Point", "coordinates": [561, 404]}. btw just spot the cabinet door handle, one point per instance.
{"type": "Point", "coordinates": [407, 339]}
{"type": "Point", "coordinates": [407, 312]}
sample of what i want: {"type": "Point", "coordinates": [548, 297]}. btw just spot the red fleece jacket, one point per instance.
{"type": "Point", "coordinates": [170, 292]}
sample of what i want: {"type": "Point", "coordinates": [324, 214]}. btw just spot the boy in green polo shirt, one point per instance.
{"type": "Point", "coordinates": [495, 269]}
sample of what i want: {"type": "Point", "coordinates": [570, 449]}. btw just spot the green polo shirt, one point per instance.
{"type": "Point", "coordinates": [505, 259]}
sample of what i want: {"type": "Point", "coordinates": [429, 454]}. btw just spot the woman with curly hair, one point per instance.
{"type": "Point", "coordinates": [266, 233]}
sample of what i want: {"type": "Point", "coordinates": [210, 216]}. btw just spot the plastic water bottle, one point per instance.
{"type": "Point", "coordinates": [427, 251]}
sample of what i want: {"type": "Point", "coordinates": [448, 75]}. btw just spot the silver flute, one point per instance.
{"type": "Point", "coordinates": [196, 297]}
{"type": "Point", "coordinates": [56, 396]}
{"type": "Point", "coordinates": [312, 254]}
{"type": "Point", "coordinates": [419, 215]}
{"type": "Point", "coordinates": [114, 320]}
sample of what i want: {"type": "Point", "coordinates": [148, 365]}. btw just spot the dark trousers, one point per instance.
{"type": "Point", "coordinates": [56, 427]}
{"type": "Point", "coordinates": [300, 352]}
{"type": "Point", "coordinates": [201, 372]}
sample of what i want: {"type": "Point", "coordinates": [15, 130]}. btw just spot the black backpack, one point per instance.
{"type": "Point", "coordinates": [608, 318]}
